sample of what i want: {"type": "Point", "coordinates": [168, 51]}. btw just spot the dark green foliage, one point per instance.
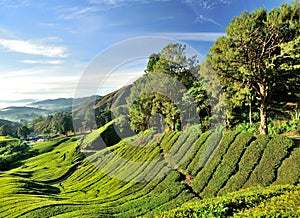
{"type": "Point", "coordinates": [109, 136]}
{"type": "Point", "coordinates": [59, 122]}
{"type": "Point", "coordinates": [246, 165]}
{"type": "Point", "coordinates": [228, 165]}
{"type": "Point", "coordinates": [23, 132]}
{"type": "Point", "coordinates": [6, 130]}
{"type": "Point", "coordinates": [276, 151]}
{"type": "Point", "coordinates": [12, 151]}
{"type": "Point", "coordinates": [289, 171]}
{"type": "Point", "coordinates": [203, 177]}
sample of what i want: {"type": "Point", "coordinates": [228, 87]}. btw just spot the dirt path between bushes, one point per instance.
{"type": "Point", "coordinates": [296, 139]}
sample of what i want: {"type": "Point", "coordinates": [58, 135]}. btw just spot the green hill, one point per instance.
{"type": "Point", "coordinates": [176, 174]}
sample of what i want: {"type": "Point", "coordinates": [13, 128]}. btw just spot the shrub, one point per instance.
{"type": "Point", "coordinates": [181, 151]}
{"type": "Point", "coordinates": [289, 171]}
{"type": "Point", "coordinates": [265, 172]}
{"type": "Point", "coordinates": [205, 151]}
{"type": "Point", "coordinates": [187, 164]}
{"type": "Point", "coordinates": [205, 174]}
{"type": "Point", "coordinates": [247, 163]}
{"type": "Point", "coordinates": [235, 203]}
{"type": "Point", "coordinates": [228, 165]}
{"type": "Point", "coordinates": [169, 140]}
{"type": "Point", "coordinates": [286, 205]}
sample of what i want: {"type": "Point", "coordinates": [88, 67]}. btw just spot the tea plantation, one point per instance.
{"type": "Point", "coordinates": [176, 174]}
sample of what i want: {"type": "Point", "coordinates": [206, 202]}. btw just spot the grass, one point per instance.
{"type": "Point", "coordinates": [132, 178]}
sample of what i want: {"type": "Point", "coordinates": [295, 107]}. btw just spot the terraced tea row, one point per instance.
{"type": "Point", "coordinates": [145, 175]}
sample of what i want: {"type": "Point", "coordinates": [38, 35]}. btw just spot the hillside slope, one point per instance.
{"type": "Point", "coordinates": [148, 174]}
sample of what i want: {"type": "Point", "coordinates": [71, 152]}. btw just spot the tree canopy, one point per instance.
{"type": "Point", "coordinates": [166, 90]}
{"type": "Point", "coordinates": [260, 54]}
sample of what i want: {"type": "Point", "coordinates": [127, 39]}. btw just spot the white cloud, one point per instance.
{"type": "Point", "coordinates": [201, 19]}
{"type": "Point", "coordinates": [193, 36]}
{"type": "Point", "coordinates": [29, 47]}
{"type": "Point", "coordinates": [53, 62]}
{"type": "Point", "coordinates": [38, 83]}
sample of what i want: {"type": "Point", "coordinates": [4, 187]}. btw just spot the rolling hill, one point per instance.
{"type": "Point", "coordinates": [19, 113]}
{"type": "Point", "coordinates": [175, 174]}
{"type": "Point", "coordinates": [43, 108]}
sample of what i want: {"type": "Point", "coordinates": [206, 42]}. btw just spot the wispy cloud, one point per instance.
{"type": "Point", "coordinates": [49, 24]}
{"type": "Point", "coordinates": [122, 2]}
{"type": "Point", "coordinates": [202, 19]}
{"type": "Point", "coordinates": [204, 7]}
{"type": "Point", "coordinates": [165, 18]}
{"type": "Point", "coordinates": [207, 4]}
{"type": "Point", "coordinates": [6, 33]}
{"type": "Point", "coordinates": [73, 12]}
{"type": "Point", "coordinates": [193, 36]}
{"type": "Point", "coordinates": [14, 3]}
{"type": "Point", "coordinates": [33, 48]}
{"type": "Point", "coordinates": [52, 62]}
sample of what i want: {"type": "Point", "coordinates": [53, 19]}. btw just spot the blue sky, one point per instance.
{"type": "Point", "coordinates": [45, 46]}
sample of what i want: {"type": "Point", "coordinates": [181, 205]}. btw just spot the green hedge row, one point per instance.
{"type": "Point", "coordinates": [246, 165]}
{"type": "Point", "coordinates": [175, 147]}
{"type": "Point", "coordinates": [285, 205]}
{"type": "Point", "coordinates": [229, 164]}
{"type": "Point", "coordinates": [168, 141]}
{"type": "Point", "coordinates": [187, 164]}
{"type": "Point", "coordinates": [203, 177]}
{"type": "Point", "coordinates": [181, 151]}
{"type": "Point", "coordinates": [276, 151]}
{"type": "Point", "coordinates": [289, 171]}
{"type": "Point", "coordinates": [234, 204]}
{"type": "Point", "coordinates": [204, 152]}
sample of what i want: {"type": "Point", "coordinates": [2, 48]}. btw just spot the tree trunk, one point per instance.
{"type": "Point", "coordinates": [250, 112]}
{"type": "Point", "coordinates": [263, 118]}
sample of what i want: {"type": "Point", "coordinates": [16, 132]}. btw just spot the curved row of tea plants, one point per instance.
{"type": "Point", "coordinates": [140, 176]}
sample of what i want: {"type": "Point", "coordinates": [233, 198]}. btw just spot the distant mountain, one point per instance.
{"type": "Point", "coordinates": [16, 103]}
{"type": "Point", "coordinates": [61, 104]}
{"type": "Point", "coordinates": [19, 113]}
{"type": "Point", "coordinates": [43, 108]}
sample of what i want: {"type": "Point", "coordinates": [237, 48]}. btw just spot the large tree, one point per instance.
{"type": "Point", "coordinates": [169, 75]}
{"type": "Point", "coordinates": [258, 53]}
